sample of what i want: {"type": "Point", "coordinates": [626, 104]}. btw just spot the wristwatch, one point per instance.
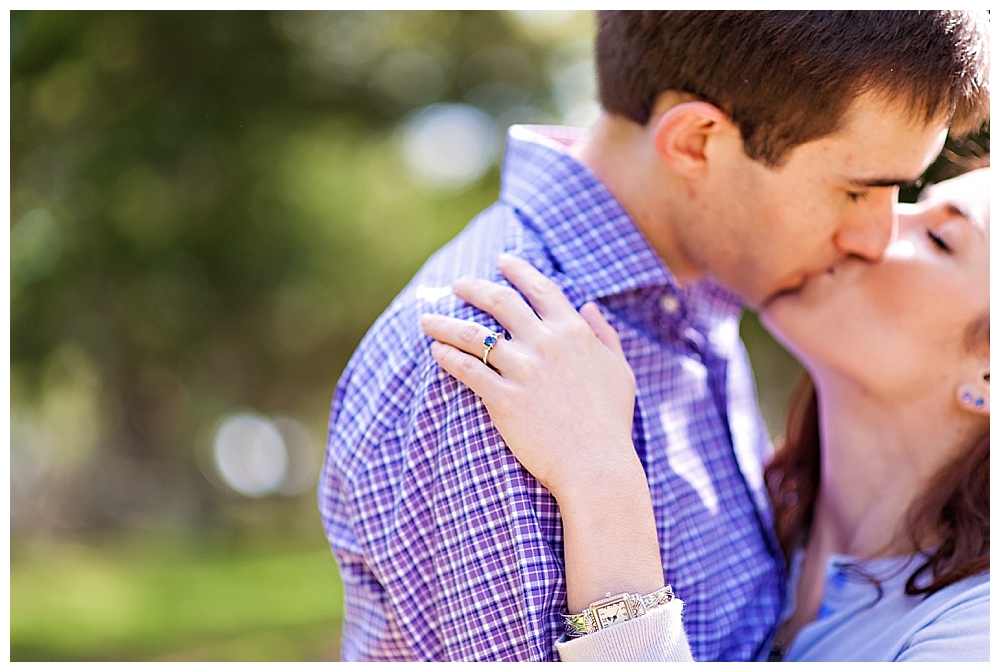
{"type": "Point", "coordinates": [614, 609]}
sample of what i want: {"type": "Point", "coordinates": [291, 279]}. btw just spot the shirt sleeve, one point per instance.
{"type": "Point", "coordinates": [959, 634]}
{"type": "Point", "coordinates": [657, 636]}
{"type": "Point", "coordinates": [448, 549]}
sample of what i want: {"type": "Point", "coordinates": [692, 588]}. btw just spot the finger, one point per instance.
{"type": "Point", "coordinates": [466, 335]}
{"type": "Point", "coordinates": [469, 370]}
{"type": "Point", "coordinates": [500, 301]}
{"type": "Point", "coordinates": [606, 334]}
{"type": "Point", "coordinates": [542, 293]}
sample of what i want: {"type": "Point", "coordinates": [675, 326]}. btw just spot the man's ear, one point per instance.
{"type": "Point", "coordinates": [973, 395]}
{"type": "Point", "coordinates": [683, 132]}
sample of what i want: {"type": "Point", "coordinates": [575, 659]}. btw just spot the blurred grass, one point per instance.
{"type": "Point", "coordinates": [156, 599]}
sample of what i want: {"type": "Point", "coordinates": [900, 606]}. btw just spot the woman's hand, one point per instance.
{"type": "Point", "coordinates": [561, 394]}
{"type": "Point", "coordinates": [559, 391]}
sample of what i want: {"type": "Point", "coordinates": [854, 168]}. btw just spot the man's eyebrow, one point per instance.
{"type": "Point", "coordinates": [903, 183]}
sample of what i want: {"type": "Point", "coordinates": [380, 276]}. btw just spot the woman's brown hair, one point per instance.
{"type": "Point", "coordinates": [955, 510]}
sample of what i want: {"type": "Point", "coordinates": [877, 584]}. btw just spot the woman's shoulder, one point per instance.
{"type": "Point", "coordinates": [864, 619]}
{"type": "Point", "coordinates": [965, 593]}
{"type": "Point", "coordinates": [955, 624]}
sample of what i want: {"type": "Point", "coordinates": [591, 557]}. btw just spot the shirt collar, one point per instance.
{"type": "Point", "coordinates": [589, 235]}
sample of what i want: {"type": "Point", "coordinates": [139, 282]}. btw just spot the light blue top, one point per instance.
{"type": "Point", "coordinates": [853, 624]}
{"type": "Point", "coordinates": [953, 624]}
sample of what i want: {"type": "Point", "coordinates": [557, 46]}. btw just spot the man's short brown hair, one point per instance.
{"type": "Point", "coordinates": [786, 77]}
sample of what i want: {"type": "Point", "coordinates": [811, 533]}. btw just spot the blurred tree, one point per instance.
{"type": "Point", "coordinates": [209, 209]}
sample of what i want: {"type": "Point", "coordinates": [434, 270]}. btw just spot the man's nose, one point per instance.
{"type": "Point", "coordinates": [872, 231]}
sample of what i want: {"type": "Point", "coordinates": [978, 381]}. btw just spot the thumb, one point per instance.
{"type": "Point", "coordinates": [605, 333]}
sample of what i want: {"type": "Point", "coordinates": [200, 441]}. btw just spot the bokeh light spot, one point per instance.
{"type": "Point", "coordinates": [62, 94]}
{"type": "Point", "coordinates": [250, 454]}
{"type": "Point", "coordinates": [449, 146]}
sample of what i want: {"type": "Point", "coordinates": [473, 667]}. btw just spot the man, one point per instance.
{"type": "Point", "coordinates": [739, 153]}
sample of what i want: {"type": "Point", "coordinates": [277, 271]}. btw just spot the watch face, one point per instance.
{"type": "Point", "coordinates": [612, 612]}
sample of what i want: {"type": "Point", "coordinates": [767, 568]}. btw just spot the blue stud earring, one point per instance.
{"type": "Point", "coordinates": [968, 398]}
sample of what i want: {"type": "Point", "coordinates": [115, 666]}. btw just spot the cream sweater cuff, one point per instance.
{"type": "Point", "coordinates": [656, 636]}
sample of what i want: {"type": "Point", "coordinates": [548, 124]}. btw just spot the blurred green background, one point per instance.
{"type": "Point", "coordinates": [208, 210]}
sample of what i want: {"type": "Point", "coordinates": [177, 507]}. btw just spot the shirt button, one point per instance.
{"type": "Point", "coordinates": [695, 338]}
{"type": "Point", "coordinates": [669, 303]}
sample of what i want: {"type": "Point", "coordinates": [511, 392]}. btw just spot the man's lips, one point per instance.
{"type": "Point", "coordinates": [809, 277]}
{"type": "Point", "coordinates": [802, 282]}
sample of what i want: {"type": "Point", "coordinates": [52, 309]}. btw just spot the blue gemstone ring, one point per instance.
{"type": "Point", "coordinates": [488, 343]}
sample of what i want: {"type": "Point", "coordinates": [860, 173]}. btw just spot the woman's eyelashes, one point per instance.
{"type": "Point", "coordinates": [856, 196]}
{"type": "Point", "coordinates": [939, 241]}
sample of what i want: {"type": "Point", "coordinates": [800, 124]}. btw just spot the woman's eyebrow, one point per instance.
{"type": "Point", "coordinates": [963, 210]}
{"type": "Point", "coordinates": [966, 213]}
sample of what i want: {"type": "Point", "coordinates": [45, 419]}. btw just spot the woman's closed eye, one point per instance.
{"type": "Point", "coordinates": [938, 240]}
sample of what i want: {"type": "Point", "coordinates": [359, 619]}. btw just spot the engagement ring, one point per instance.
{"type": "Point", "coordinates": [488, 343]}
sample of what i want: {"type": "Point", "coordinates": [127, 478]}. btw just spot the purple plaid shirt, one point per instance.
{"type": "Point", "coordinates": [447, 548]}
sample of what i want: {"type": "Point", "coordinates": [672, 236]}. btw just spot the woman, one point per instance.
{"type": "Point", "coordinates": [881, 487]}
